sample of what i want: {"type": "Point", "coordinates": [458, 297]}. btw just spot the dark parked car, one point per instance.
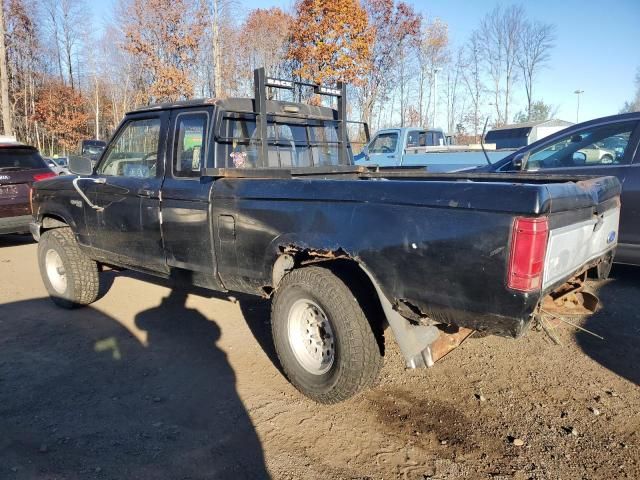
{"type": "Point", "coordinates": [20, 167]}
{"type": "Point", "coordinates": [600, 147]}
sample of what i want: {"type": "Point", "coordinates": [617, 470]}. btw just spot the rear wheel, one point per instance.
{"type": "Point", "coordinates": [70, 276]}
{"type": "Point", "coordinates": [325, 344]}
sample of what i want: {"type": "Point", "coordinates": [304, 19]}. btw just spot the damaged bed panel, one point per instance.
{"type": "Point", "coordinates": [439, 250]}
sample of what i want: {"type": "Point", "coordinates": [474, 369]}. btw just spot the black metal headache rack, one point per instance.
{"type": "Point", "coordinates": [257, 135]}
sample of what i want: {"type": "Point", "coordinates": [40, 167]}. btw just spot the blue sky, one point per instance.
{"type": "Point", "coordinates": [596, 48]}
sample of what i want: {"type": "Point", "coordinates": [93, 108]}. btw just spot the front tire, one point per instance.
{"type": "Point", "coordinates": [325, 344]}
{"type": "Point", "coordinates": [69, 275]}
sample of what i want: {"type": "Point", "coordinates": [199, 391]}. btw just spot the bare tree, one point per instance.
{"type": "Point", "coordinates": [72, 15]}
{"type": "Point", "coordinates": [633, 105]}
{"type": "Point", "coordinates": [499, 37]}
{"type": "Point", "coordinates": [455, 97]}
{"type": "Point", "coordinates": [391, 24]}
{"type": "Point", "coordinates": [536, 41]}
{"type": "Point", "coordinates": [432, 55]}
{"type": "Point", "coordinates": [472, 77]}
{"type": "Point", "coordinates": [221, 22]}
{"type": "Point", "coordinates": [4, 79]}
{"type": "Point", "coordinates": [51, 20]}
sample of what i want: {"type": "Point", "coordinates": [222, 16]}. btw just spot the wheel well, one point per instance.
{"type": "Point", "coordinates": [52, 221]}
{"type": "Point", "coordinates": [353, 276]}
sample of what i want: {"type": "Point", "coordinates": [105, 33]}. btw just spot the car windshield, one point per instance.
{"type": "Point", "coordinates": [384, 143]}
{"type": "Point", "coordinates": [92, 150]}
{"type": "Point", "coordinates": [20, 158]}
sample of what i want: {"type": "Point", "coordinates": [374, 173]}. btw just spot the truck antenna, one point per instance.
{"type": "Point", "coordinates": [484, 130]}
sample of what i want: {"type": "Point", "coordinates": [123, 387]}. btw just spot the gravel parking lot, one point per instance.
{"type": "Point", "coordinates": [152, 382]}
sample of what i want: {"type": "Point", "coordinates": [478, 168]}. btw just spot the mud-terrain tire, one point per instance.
{"type": "Point", "coordinates": [70, 277]}
{"type": "Point", "coordinates": [316, 298]}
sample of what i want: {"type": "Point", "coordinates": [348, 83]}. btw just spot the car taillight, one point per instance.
{"type": "Point", "coordinates": [528, 250]}
{"type": "Point", "coordinates": [41, 176]}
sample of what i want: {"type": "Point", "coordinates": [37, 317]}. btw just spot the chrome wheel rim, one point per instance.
{"type": "Point", "coordinates": [55, 271]}
{"type": "Point", "coordinates": [311, 337]}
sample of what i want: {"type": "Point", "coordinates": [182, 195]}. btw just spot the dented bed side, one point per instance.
{"type": "Point", "coordinates": [435, 249]}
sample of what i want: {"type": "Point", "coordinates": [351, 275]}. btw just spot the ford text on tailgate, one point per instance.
{"type": "Point", "coordinates": [262, 197]}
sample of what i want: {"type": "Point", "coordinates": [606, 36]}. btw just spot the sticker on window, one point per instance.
{"type": "Point", "coordinates": [239, 159]}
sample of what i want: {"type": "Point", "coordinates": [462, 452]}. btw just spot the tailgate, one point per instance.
{"type": "Point", "coordinates": [579, 237]}
{"type": "Point", "coordinates": [14, 194]}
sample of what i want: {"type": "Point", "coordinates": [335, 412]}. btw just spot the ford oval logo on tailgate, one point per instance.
{"type": "Point", "coordinates": [612, 236]}
{"type": "Point", "coordinates": [4, 177]}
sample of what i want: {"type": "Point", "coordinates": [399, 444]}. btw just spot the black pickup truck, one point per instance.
{"type": "Point", "coordinates": [262, 197]}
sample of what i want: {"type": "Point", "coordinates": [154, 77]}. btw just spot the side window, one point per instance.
{"type": "Point", "coordinates": [134, 152]}
{"type": "Point", "coordinates": [190, 144]}
{"type": "Point", "coordinates": [384, 143]}
{"type": "Point", "coordinates": [604, 145]}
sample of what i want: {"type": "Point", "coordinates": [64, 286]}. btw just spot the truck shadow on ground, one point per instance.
{"type": "Point", "coordinates": [81, 397]}
{"type": "Point", "coordinates": [618, 321]}
{"type": "Point", "coordinates": [15, 240]}
{"type": "Point", "coordinates": [256, 311]}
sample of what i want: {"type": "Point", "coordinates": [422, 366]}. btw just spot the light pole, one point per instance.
{"type": "Point", "coordinates": [435, 95]}
{"type": "Point", "coordinates": [578, 93]}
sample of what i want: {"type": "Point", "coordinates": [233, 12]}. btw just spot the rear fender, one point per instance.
{"type": "Point", "coordinates": [413, 340]}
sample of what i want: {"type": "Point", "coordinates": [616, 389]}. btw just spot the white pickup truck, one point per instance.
{"type": "Point", "coordinates": [419, 147]}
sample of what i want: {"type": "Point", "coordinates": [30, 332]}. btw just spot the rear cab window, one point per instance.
{"type": "Point", "coordinates": [291, 143]}
{"type": "Point", "coordinates": [13, 158]}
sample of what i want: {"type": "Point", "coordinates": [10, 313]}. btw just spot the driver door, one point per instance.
{"type": "Point", "coordinates": [127, 230]}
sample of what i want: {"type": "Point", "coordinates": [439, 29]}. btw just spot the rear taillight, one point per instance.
{"type": "Point", "coordinates": [41, 176]}
{"type": "Point", "coordinates": [528, 249]}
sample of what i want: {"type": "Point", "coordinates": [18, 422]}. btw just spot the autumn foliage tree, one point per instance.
{"type": "Point", "coordinates": [391, 24]}
{"type": "Point", "coordinates": [60, 110]}
{"type": "Point", "coordinates": [330, 41]}
{"type": "Point", "coordinates": [164, 36]}
{"type": "Point", "coordinates": [263, 41]}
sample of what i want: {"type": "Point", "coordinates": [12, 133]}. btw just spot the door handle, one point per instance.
{"type": "Point", "coordinates": [145, 192]}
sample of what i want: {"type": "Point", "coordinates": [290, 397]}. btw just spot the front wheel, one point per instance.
{"type": "Point", "coordinates": [70, 276]}
{"type": "Point", "coordinates": [325, 344]}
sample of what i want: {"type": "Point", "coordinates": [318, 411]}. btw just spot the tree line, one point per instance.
{"type": "Point", "coordinates": [61, 82]}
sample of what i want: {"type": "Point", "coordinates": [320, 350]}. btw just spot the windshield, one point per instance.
{"type": "Point", "coordinates": [20, 158]}
{"type": "Point", "coordinates": [92, 150]}
{"type": "Point", "coordinates": [384, 143]}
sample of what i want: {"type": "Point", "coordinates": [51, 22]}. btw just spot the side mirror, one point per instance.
{"type": "Point", "coordinates": [365, 152]}
{"type": "Point", "coordinates": [518, 162]}
{"type": "Point", "coordinates": [80, 165]}
{"type": "Point", "coordinates": [579, 158]}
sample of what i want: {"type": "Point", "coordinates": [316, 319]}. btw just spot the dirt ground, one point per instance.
{"type": "Point", "coordinates": [152, 383]}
